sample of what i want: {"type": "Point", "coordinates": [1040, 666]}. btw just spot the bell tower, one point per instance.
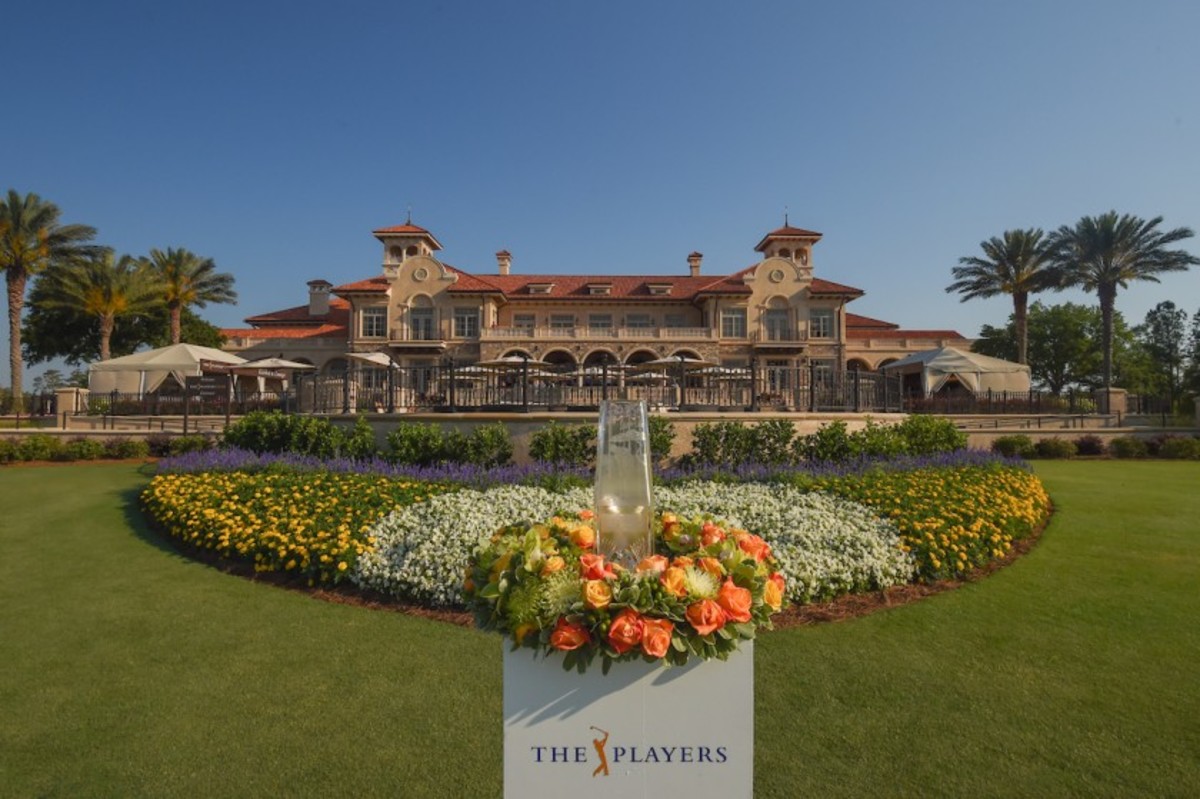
{"type": "Point", "coordinates": [401, 242]}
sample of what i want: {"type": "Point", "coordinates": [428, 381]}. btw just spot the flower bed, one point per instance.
{"type": "Point", "coordinates": [826, 546]}
{"type": "Point", "coordinates": [703, 591]}
{"type": "Point", "coordinates": [952, 520]}
{"type": "Point", "coordinates": [311, 525]}
{"type": "Point", "coordinates": [844, 531]}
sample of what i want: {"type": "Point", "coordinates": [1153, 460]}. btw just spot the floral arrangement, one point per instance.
{"type": "Point", "coordinates": [706, 589]}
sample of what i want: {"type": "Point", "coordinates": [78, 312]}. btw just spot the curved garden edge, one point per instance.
{"type": "Point", "coordinates": [844, 608]}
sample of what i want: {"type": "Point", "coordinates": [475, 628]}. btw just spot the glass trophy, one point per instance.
{"type": "Point", "coordinates": [623, 504]}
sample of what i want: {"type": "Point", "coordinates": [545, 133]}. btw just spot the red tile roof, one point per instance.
{"type": "Point", "coordinates": [264, 333]}
{"type": "Point", "coordinates": [407, 229]}
{"type": "Point", "coordinates": [371, 284]}
{"type": "Point", "coordinates": [787, 232]}
{"type": "Point", "coordinates": [854, 320]}
{"type": "Point", "coordinates": [339, 314]}
{"type": "Point", "coordinates": [852, 332]}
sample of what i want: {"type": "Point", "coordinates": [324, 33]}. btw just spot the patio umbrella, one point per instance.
{"type": "Point", "coordinates": [373, 358]}
{"type": "Point", "coordinates": [274, 363]}
{"type": "Point", "coordinates": [675, 361]}
{"type": "Point", "coordinates": [513, 362]}
{"type": "Point", "coordinates": [649, 377]}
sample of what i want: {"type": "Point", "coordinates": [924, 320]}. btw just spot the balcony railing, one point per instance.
{"type": "Point", "coordinates": [601, 333]}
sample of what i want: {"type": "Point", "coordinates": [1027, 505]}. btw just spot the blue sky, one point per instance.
{"type": "Point", "coordinates": [606, 137]}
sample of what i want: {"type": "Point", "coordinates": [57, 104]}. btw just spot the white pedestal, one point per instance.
{"type": "Point", "coordinates": [670, 731]}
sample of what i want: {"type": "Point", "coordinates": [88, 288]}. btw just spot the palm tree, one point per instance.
{"type": "Point", "coordinates": [187, 279]}
{"type": "Point", "coordinates": [107, 288]}
{"type": "Point", "coordinates": [1016, 264]}
{"type": "Point", "coordinates": [1107, 252]}
{"type": "Point", "coordinates": [31, 239]}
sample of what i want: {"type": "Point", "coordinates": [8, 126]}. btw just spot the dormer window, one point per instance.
{"type": "Point", "coordinates": [659, 289]}
{"type": "Point", "coordinates": [540, 288]}
{"type": "Point", "coordinates": [602, 289]}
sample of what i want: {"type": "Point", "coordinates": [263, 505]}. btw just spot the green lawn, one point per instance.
{"type": "Point", "coordinates": [129, 670]}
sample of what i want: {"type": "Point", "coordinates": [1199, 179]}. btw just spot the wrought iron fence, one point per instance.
{"type": "Point", "coordinates": [523, 387]}
{"type": "Point", "coordinates": [1000, 402]}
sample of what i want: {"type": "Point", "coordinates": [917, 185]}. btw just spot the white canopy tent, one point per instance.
{"type": "Point", "coordinates": [143, 372]}
{"type": "Point", "coordinates": [973, 371]}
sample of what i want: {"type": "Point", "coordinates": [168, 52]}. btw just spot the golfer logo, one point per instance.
{"type": "Point", "coordinates": [600, 743]}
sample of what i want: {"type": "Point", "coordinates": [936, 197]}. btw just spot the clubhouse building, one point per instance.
{"type": "Point", "coordinates": [420, 311]}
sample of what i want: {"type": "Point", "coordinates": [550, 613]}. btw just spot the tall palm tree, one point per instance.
{"type": "Point", "coordinates": [187, 279]}
{"type": "Point", "coordinates": [1107, 252]}
{"type": "Point", "coordinates": [107, 288]}
{"type": "Point", "coordinates": [31, 239]}
{"type": "Point", "coordinates": [1016, 264]}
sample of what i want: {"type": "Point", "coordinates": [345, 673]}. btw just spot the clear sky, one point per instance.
{"type": "Point", "coordinates": [606, 137]}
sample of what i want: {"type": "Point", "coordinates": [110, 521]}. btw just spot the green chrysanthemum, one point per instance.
{"type": "Point", "coordinates": [700, 584]}
{"type": "Point", "coordinates": [524, 601]}
{"type": "Point", "coordinates": [560, 591]}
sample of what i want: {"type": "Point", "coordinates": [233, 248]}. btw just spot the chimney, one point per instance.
{"type": "Point", "coordinates": [318, 297]}
{"type": "Point", "coordinates": [503, 261]}
{"type": "Point", "coordinates": [694, 263]}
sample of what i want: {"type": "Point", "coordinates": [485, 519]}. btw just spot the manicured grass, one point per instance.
{"type": "Point", "coordinates": [129, 670]}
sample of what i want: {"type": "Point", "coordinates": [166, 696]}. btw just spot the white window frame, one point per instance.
{"type": "Point", "coordinates": [822, 323]}
{"type": "Point", "coordinates": [600, 321]}
{"type": "Point", "coordinates": [640, 321]}
{"type": "Point", "coordinates": [733, 323]}
{"type": "Point", "coordinates": [372, 322]}
{"type": "Point", "coordinates": [562, 321]}
{"type": "Point", "coordinates": [466, 323]}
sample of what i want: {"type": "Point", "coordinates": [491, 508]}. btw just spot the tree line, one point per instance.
{"type": "Point", "coordinates": [87, 302]}
{"type": "Point", "coordinates": [1102, 255]}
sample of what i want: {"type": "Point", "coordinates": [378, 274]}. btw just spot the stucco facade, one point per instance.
{"type": "Point", "coordinates": [422, 311]}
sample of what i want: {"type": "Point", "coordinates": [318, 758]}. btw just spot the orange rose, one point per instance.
{"type": "Point", "coordinates": [773, 591]}
{"type": "Point", "coordinates": [583, 536]}
{"type": "Point", "coordinates": [653, 563]}
{"type": "Point", "coordinates": [553, 564]}
{"type": "Point", "coordinates": [712, 566]}
{"type": "Point", "coordinates": [593, 567]}
{"type": "Point", "coordinates": [596, 594]}
{"type": "Point", "coordinates": [754, 546]}
{"type": "Point", "coordinates": [706, 616]}
{"type": "Point", "coordinates": [625, 632]}
{"type": "Point", "coordinates": [673, 580]}
{"type": "Point", "coordinates": [568, 636]}
{"type": "Point", "coordinates": [711, 534]}
{"type": "Point", "coordinates": [734, 601]}
{"type": "Point", "coordinates": [682, 562]}
{"type": "Point", "coordinates": [587, 515]}
{"type": "Point", "coordinates": [656, 636]}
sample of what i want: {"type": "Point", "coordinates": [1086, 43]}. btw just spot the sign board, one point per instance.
{"type": "Point", "coordinates": [208, 386]}
{"type": "Point", "coordinates": [215, 367]}
{"type": "Point", "coordinates": [642, 730]}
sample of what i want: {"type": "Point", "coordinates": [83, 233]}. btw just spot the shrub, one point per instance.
{"type": "Point", "coordinates": [416, 444]}
{"type": "Point", "coordinates": [1017, 446]}
{"type": "Point", "coordinates": [40, 448]}
{"type": "Point", "coordinates": [360, 442]}
{"type": "Point", "coordinates": [1128, 447]}
{"type": "Point", "coordinates": [8, 450]}
{"type": "Point", "coordinates": [263, 431]}
{"type": "Point", "coordinates": [1056, 448]}
{"type": "Point", "coordinates": [159, 444]}
{"type": "Point", "coordinates": [878, 441]}
{"type": "Point", "coordinates": [830, 443]}
{"type": "Point", "coordinates": [929, 435]}
{"type": "Point", "coordinates": [1180, 448]}
{"type": "Point", "coordinates": [722, 443]}
{"type": "Point", "coordinates": [181, 445]}
{"type": "Point", "coordinates": [83, 449]}
{"type": "Point", "coordinates": [1089, 445]}
{"type": "Point", "coordinates": [770, 442]}
{"type": "Point", "coordinates": [662, 438]}
{"type": "Point", "coordinates": [123, 448]}
{"type": "Point", "coordinates": [572, 445]}
{"type": "Point", "coordinates": [489, 445]}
